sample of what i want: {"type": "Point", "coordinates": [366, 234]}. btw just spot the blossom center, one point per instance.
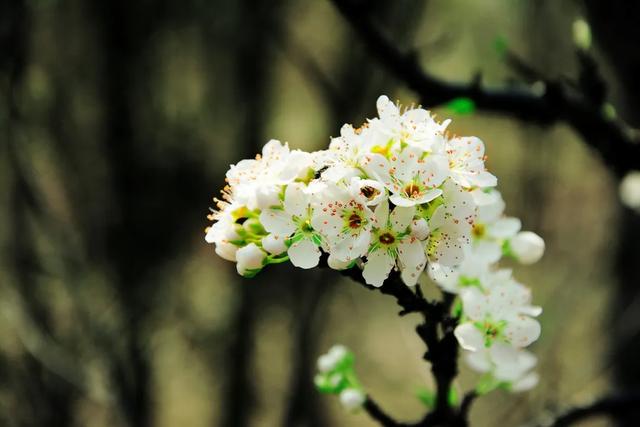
{"type": "Point", "coordinates": [369, 192]}
{"type": "Point", "coordinates": [355, 221]}
{"type": "Point", "coordinates": [387, 238]}
{"type": "Point", "coordinates": [478, 230]}
{"type": "Point", "coordinates": [412, 190]}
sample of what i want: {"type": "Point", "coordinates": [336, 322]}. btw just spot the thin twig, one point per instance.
{"type": "Point", "coordinates": [378, 414]}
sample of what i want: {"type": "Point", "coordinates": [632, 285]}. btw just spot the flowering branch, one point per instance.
{"type": "Point", "coordinates": [610, 138]}
{"type": "Point", "coordinates": [385, 203]}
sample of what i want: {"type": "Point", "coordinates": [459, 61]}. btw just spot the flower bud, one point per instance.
{"type": "Point", "coordinates": [274, 244]}
{"type": "Point", "coordinates": [420, 228]}
{"type": "Point", "coordinates": [226, 250]}
{"type": "Point", "coordinates": [249, 257]}
{"type": "Point", "coordinates": [630, 190]}
{"type": "Point", "coordinates": [527, 247]}
{"type": "Point", "coordinates": [352, 399]}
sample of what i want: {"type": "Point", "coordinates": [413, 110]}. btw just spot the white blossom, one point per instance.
{"type": "Point", "coordinates": [293, 220]}
{"type": "Point", "coordinates": [410, 175]}
{"type": "Point", "coordinates": [393, 245]}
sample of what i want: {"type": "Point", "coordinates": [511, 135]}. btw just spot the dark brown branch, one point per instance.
{"type": "Point", "coordinates": [436, 331]}
{"type": "Point", "coordinates": [380, 416]}
{"type": "Point", "coordinates": [610, 406]}
{"type": "Point", "coordinates": [611, 139]}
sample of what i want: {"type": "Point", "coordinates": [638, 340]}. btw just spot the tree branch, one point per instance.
{"type": "Point", "coordinates": [379, 415]}
{"type": "Point", "coordinates": [610, 405]}
{"type": "Point", "coordinates": [436, 331]}
{"type": "Point", "coordinates": [611, 139]}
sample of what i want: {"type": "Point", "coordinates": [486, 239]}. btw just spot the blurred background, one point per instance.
{"type": "Point", "coordinates": [118, 120]}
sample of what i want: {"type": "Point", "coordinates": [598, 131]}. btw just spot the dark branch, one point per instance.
{"type": "Point", "coordinates": [611, 139]}
{"type": "Point", "coordinates": [436, 331]}
{"type": "Point", "coordinates": [610, 406]}
{"type": "Point", "coordinates": [379, 415]}
{"type": "Point", "coordinates": [467, 401]}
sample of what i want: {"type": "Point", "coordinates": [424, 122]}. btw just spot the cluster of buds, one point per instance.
{"type": "Point", "coordinates": [398, 193]}
{"type": "Point", "coordinates": [336, 376]}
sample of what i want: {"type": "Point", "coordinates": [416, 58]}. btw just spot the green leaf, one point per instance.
{"type": "Point", "coordinates": [453, 397]}
{"type": "Point", "coordinates": [462, 106]}
{"type": "Point", "coordinates": [501, 45]}
{"type": "Point", "coordinates": [427, 397]}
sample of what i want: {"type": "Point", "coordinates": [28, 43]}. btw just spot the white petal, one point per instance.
{"type": "Point", "coordinates": [504, 228]}
{"type": "Point", "coordinates": [474, 303]}
{"type": "Point", "coordinates": [382, 214]}
{"type": "Point", "coordinates": [478, 361]}
{"type": "Point", "coordinates": [267, 196]}
{"type": "Point", "coordinates": [412, 261]}
{"type": "Point", "coordinates": [277, 222]}
{"type": "Point", "coordinates": [400, 200]}
{"type": "Point", "coordinates": [376, 269]}
{"type": "Point", "coordinates": [350, 248]}
{"type": "Point", "coordinates": [401, 218]}
{"type": "Point", "coordinates": [526, 383]}
{"type": "Point", "coordinates": [274, 244]}
{"type": "Point", "coordinates": [296, 200]}
{"type": "Point", "coordinates": [304, 254]}
{"type": "Point", "coordinates": [327, 223]}
{"type": "Point", "coordinates": [522, 331]}
{"type": "Point", "coordinates": [226, 251]}
{"type": "Point", "coordinates": [504, 354]}
{"type": "Point", "coordinates": [337, 264]}
{"type": "Point", "coordinates": [485, 179]}
{"type": "Point", "coordinates": [469, 337]}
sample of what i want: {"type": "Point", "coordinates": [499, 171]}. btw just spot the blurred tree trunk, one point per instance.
{"type": "Point", "coordinates": [43, 397]}
{"type": "Point", "coordinates": [257, 19]}
{"type": "Point", "coordinates": [615, 27]}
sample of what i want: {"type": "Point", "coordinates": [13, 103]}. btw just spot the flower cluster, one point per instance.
{"type": "Point", "coordinates": [497, 320]}
{"type": "Point", "coordinates": [398, 193]}
{"type": "Point", "coordinates": [336, 376]}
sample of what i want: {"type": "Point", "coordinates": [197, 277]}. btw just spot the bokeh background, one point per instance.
{"type": "Point", "coordinates": [118, 120]}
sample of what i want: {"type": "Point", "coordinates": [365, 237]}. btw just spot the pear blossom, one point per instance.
{"type": "Point", "coordinates": [450, 225]}
{"type": "Point", "coordinates": [415, 127]}
{"type": "Point", "coordinates": [466, 162]}
{"type": "Point", "coordinates": [393, 245]}
{"type": "Point", "coordinates": [256, 182]}
{"type": "Point", "coordinates": [345, 222]}
{"type": "Point", "coordinates": [343, 159]}
{"type": "Point", "coordinates": [411, 175]}
{"type": "Point", "coordinates": [293, 220]}
{"type": "Point", "coordinates": [500, 313]}
{"type": "Point", "coordinates": [507, 366]}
